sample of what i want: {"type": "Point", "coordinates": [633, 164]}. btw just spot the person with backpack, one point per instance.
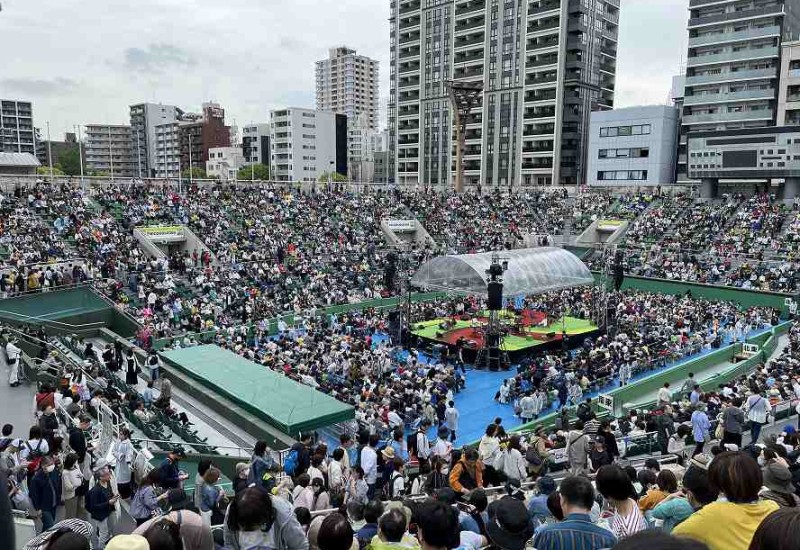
{"type": "Point", "coordinates": [578, 448]}
{"type": "Point", "coordinates": [396, 488]}
{"type": "Point", "coordinates": [49, 425]}
{"type": "Point", "coordinates": [299, 458]}
{"type": "Point", "coordinates": [44, 490]}
{"type": "Point", "coordinates": [261, 467]}
{"type": "Point", "coordinates": [33, 450]}
{"type": "Point", "coordinates": [537, 455]}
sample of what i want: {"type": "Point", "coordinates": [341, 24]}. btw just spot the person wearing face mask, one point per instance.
{"type": "Point", "coordinates": [45, 493]}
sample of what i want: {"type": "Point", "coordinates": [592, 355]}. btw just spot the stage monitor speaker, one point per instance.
{"type": "Point", "coordinates": [495, 291]}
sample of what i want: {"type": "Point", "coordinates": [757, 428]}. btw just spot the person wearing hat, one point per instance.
{"type": "Point", "coordinates": [778, 485]}
{"type": "Point", "coordinates": [70, 533]}
{"type": "Point", "coordinates": [171, 475]}
{"type": "Point", "coordinates": [577, 497]}
{"type": "Point", "coordinates": [509, 526]}
{"type": "Point", "coordinates": [537, 505]}
{"type": "Point", "coordinates": [128, 542]}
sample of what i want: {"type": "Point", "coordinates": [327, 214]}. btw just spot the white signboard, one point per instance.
{"type": "Point", "coordinates": [606, 401]}
{"type": "Point", "coordinates": [402, 226]}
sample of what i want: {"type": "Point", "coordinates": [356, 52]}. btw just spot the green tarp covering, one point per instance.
{"type": "Point", "coordinates": [287, 405]}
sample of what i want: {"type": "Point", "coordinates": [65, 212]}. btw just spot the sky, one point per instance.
{"type": "Point", "coordinates": [86, 62]}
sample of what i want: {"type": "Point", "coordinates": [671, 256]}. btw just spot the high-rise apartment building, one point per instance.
{"type": "Point", "coordinates": [17, 134]}
{"type": "Point", "coordinates": [144, 119]}
{"type": "Point", "coordinates": [347, 83]}
{"type": "Point", "coordinates": [733, 65]}
{"type": "Point", "coordinates": [789, 92]}
{"type": "Point", "coordinates": [544, 65]}
{"type": "Point", "coordinates": [108, 150]}
{"type": "Point", "coordinates": [306, 144]}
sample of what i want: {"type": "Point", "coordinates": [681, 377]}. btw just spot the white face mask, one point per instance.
{"type": "Point", "coordinates": [761, 461]}
{"type": "Point", "coordinates": [49, 469]}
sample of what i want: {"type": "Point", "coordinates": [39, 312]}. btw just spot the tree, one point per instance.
{"type": "Point", "coordinates": [196, 173]}
{"type": "Point", "coordinates": [70, 162]}
{"type": "Point", "coordinates": [255, 172]}
{"type": "Point", "coordinates": [45, 171]}
{"type": "Point", "coordinates": [335, 177]}
{"type": "Point", "coordinates": [99, 173]}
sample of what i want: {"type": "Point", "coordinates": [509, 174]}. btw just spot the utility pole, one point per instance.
{"type": "Point", "coordinates": [110, 153]}
{"type": "Point", "coordinates": [80, 154]}
{"type": "Point", "coordinates": [49, 151]}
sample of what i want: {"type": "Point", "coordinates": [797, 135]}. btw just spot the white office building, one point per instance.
{"type": "Point", "coordinates": [633, 146]}
{"type": "Point", "coordinates": [306, 144]}
{"type": "Point", "coordinates": [224, 163]}
{"type": "Point", "coordinates": [255, 144]}
{"type": "Point", "coordinates": [166, 161]}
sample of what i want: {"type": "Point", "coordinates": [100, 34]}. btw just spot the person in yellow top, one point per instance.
{"type": "Point", "coordinates": [729, 523]}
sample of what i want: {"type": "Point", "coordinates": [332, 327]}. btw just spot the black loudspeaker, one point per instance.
{"type": "Point", "coordinates": [495, 296]}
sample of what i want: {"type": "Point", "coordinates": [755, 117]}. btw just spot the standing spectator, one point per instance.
{"type": "Point", "coordinates": [729, 524]}
{"type": "Point", "coordinates": [240, 483]}
{"type": "Point", "coordinates": [451, 415]}
{"type": "Point", "coordinates": [757, 415]}
{"type": "Point", "coordinates": [488, 450]}
{"type": "Point", "coordinates": [145, 502]}
{"type": "Point", "coordinates": [578, 448]}
{"type": "Point", "coordinates": [199, 480]}
{"type": "Point", "coordinates": [72, 479]}
{"type": "Point", "coordinates": [616, 487]}
{"type": "Point", "coordinates": [733, 423]}
{"type": "Point", "coordinates": [101, 504]}
{"type": "Point", "coordinates": [261, 466]}
{"type": "Point", "coordinates": [211, 497]}
{"type": "Point", "coordinates": [131, 368]}
{"type": "Point", "coordinates": [13, 358]}
{"type": "Point", "coordinates": [600, 455]}
{"type": "Point", "coordinates": [423, 446]}
{"type": "Point", "coordinates": [665, 427]}
{"type": "Point", "coordinates": [576, 496]}
{"type": "Point", "coordinates": [171, 475]}
{"type": "Point", "coordinates": [514, 464]}
{"type": "Point", "coordinates": [369, 463]}
{"type": "Point", "coordinates": [700, 427]}
{"type": "Point", "coordinates": [123, 452]}
{"type": "Point", "coordinates": [664, 395]}
{"type": "Point", "coordinates": [442, 447]}
{"type": "Point", "coordinates": [357, 489]}
{"type": "Point", "coordinates": [154, 365]}
{"type": "Point", "coordinates": [45, 492]}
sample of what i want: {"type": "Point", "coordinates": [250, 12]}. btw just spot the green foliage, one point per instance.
{"type": "Point", "coordinates": [196, 173]}
{"type": "Point", "coordinates": [255, 172]}
{"type": "Point", "coordinates": [70, 162]}
{"type": "Point", "coordinates": [335, 177]}
{"type": "Point", "coordinates": [45, 171]}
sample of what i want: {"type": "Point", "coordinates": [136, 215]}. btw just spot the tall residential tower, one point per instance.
{"type": "Point", "coordinates": [544, 65]}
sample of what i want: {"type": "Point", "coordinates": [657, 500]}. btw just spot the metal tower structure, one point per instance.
{"type": "Point", "coordinates": [463, 97]}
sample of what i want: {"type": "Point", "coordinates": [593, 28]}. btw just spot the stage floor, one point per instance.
{"type": "Point", "coordinates": [533, 335]}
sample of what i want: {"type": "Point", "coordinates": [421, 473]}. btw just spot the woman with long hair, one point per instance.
{"type": "Point", "coordinates": [616, 487]}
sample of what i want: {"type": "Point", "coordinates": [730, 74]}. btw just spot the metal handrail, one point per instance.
{"type": "Point", "coordinates": [89, 326]}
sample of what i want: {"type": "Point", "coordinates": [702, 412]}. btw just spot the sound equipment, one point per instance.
{"type": "Point", "coordinates": [495, 291]}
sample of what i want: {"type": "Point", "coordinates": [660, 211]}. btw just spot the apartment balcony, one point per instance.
{"type": "Point", "coordinates": [544, 6]}
{"type": "Point", "coordinates": [409, 53]}
{"type": "Point", "coordinates": [721, 118]}
{"type": "Point", "coordinates": [408, 6]}
{"type": "Point", "coordinates": [540, 96]}
{"type": "Point", "coordinates": [733, 76]}
{"type": "Point", "coordinates": [469, 39]}
{"type": "Point", "coordinates": [541, 79]}
{"type": "Point", "coordinates": [408, 37]}
{"type": "Point", "coordinates": [544, 25]}
{"type": "Point", "coordinates": [473, 6]}
{"type": "Point", "coordinates": [727, 37]}
{"type": "Point", "coordinates": [701, 3]}
{"type": "Point", "coordinates": [696, 22]}
{"type": "Point", "coordinates": [729, 57]}
{"type": "Point", "coordinates": [469, 56]}
{"type": "Point", "coordinates": [408, 68]}
{"type": "Point", "coordinates": [542, 112]}
{"type": "Point", "coordinates": [542, 61]}
{"type": "Point", "coordinates": [538, 130]}
{"type": "Point", "coordinates": [534, 164]}
{"type": "Point", "coordinates": [706, 99]}
{"type": "Point", "coordinates": [463, 25]}
{"type": "Point", "coordinates": [461, 73]}
{"type": "Point", "coordinates": [408, 96]}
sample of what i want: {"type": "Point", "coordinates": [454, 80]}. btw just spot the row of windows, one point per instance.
{"type": "Point", "coordinates": [635, 130]}
{"type": "Point", "coordinates": [626, 175]}
{"type": "Point", "coordinates": [634, 152]}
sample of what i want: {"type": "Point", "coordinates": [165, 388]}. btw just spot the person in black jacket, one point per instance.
{"type": "Point", "coordinates": [303, 454]}
{"type": "Point", "coordinates": [610, 438]}
{"type": "Point", "coordinates": [101, 504]}
{"type": "Point", "coordinates": [171, 475]}
{"type": "Point", "coordinates": [45, 492]}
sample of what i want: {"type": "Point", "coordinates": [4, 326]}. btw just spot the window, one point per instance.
{"type": "Point", "coordinates": [636, 130]}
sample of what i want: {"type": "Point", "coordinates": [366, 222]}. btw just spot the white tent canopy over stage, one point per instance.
{"type": "Point", "coordinates": [530, 271]}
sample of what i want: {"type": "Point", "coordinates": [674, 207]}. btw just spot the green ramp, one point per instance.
{"type": "Point", "coordinates": [287, 405]}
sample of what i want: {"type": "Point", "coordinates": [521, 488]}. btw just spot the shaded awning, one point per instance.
{"type": "Point", "coordinates": [530, 271]}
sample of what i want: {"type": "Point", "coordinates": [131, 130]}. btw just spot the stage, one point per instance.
{"type": "Point", "coordinates": [524, 331]}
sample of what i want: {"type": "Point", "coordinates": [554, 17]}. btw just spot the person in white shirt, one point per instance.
{"type": "Point", "coordinates": [336, 470]}
{"type": "Point", "coordinates": [123, 453]}
{"type": "Point", "coordinates": [397, 482]}
{"type": "Point", "coordinates": [441, 447]}
{"type": "Point", "coordinates": [369, 463]}
{"type": "Point", "coordinates": [12, 354]}
{"type": "Point", "coordinates": [395, 420]}
{"type": "Point", "coordinates": [664, 395]}
{"type": "Point", "coordinates": [422, 444]}
{"type": "Point", "coordinates": [526, 405]}
{"type": "Point", "coordinates": [451, 416]}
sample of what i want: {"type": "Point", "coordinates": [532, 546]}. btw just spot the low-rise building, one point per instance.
{"type": "Point", "coordinates": [108, 150]}
{"type": "Point", "coordinates": [224, 163]}
{"type": "Point", "coordinates": [633, 146]}
{"type": "Point", "coordinates": [306, 144]}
